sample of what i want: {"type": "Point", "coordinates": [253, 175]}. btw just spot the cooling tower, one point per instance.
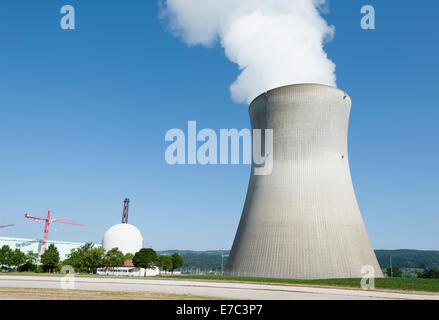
{"type": "Point", "coordinates": [302, 221]}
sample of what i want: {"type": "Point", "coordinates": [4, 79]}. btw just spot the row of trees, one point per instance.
{"type": "Point", "coordinates": [18, 260]}
{"type": "Point", "coordinates": [85, 259]}
{"type": "Point", "coordinates": [396, 272]}
{"type": "Point", "coordinates": [89, 258]}
{"type": "Point", "coordinates": [429, 273]}
{"type": "Point", "coordinates": [148, 258]}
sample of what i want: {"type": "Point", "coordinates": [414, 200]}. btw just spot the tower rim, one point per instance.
{"type": "Point", "coordinates": [297, 85]}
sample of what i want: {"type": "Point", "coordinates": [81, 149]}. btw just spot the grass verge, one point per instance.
{"type": "Point", "coordinates": [59, 294]}
{"type": "Point", "coordinates": [398, 284]}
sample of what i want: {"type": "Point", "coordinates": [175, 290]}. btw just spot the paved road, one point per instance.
{"type": "Point", "coordinates": [206, 289]}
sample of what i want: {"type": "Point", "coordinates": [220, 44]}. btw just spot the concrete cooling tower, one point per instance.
{"type": "Point", "coordinates": [302, 221]}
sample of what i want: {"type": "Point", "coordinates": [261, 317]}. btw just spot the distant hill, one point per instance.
{"type": "Point", "coordinates": [201, 260]}
{"type": "Point", "coordinates": [404, 258]}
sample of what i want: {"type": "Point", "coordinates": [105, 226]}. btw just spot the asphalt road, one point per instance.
{"type": "Point", "coordinates": [206, 289]}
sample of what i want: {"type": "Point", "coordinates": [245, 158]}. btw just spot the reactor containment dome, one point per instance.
{"type": "Point", "coordinates": [126, 237]}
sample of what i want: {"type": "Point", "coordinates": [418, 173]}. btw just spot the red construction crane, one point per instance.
{"type": "Point", "coordinates": [7, 225]}
{"type": "Point", "coordinates": [48, 221]}
{"type": "Point", "coordinates": [125, 210]}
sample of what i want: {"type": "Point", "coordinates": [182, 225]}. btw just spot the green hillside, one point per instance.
{"type": "Point", "coordinates": [403, 258]}
{"type": "Point", "coordinates": [201, 260]}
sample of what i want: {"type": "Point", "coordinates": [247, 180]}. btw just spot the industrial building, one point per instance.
{"type": "Point", "coordinates": [35, 245]}
{"type": "Point", "coordinates": [302, 221]}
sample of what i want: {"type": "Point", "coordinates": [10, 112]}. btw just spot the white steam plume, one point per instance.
{"type": "Point", "coordinates": [274, 42]}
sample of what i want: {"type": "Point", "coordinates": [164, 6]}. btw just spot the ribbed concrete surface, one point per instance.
{"type": "Point", "coordinates": [303, 220]}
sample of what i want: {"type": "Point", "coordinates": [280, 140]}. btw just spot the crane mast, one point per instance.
{"type": "Point", "coordinates": [125, 210]}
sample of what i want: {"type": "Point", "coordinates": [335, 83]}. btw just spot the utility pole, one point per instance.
{"type": "Point", "coordinates": [222, 261]}
{"type": "Point", "coordinates": [391, 268]}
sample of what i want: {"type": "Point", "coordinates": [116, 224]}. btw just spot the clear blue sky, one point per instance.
{"type": "Point", "coordinates": [83, 115]}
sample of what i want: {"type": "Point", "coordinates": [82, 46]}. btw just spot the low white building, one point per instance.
{"type": "Point", "coordinates": [128, 270]}
{"type": "Point", "coordinates": [170, 273]}
{"type": "Point", "coordinates": [34, 245]}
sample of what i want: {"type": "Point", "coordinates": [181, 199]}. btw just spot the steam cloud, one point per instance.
{"type": "Point", "coordinates": [274, 42]}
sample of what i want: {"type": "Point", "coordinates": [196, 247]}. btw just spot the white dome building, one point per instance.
{"type": "Point", "coordinates": [126, 237]}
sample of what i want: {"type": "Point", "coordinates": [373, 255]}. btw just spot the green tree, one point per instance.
{"type": "Point", "coordinates": [85, 248]}
{"type": "Point", "coordinates": [432, 273]}
{"type": "Point", "coordinates": [94, 259]}
{"type": "Point", "coordinates": [395, 271]}
{"type": "Point", "coordinates": [5, 254]}
{"type": "Point", "coordinates": [17, 258]}
{"type": "Point", "coordinates": [177, 261]}
{"type": "Point", "coordinates": [50, 258]}
{"type": "Point", "coordinates": [31, 261]}
{"type": "Point", "coordinates": [114, 258]}
{"type": "Point", "coordinates": [145, 258]}
{"type": "Point", "coordinates": [164, 263]}
{"type": "Point", "coordinates": [76, 258]}
{"type": "Point", "coordinates": [129, 256]}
